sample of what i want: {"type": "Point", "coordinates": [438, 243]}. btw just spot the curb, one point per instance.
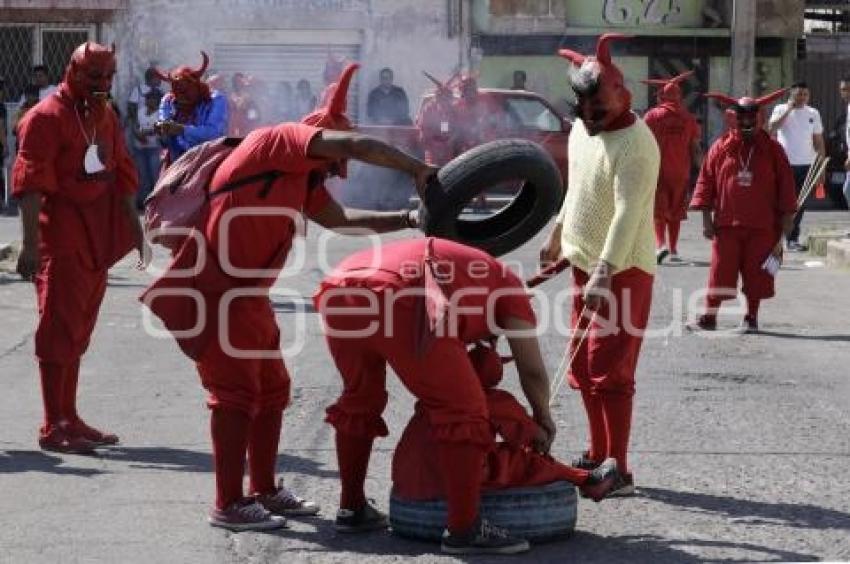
{"type": "Point", "coordinates": [838, 253]}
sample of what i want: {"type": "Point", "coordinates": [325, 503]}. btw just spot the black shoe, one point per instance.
{"type": "Point", "coordinates": [362, 520]}
{"type": "Point", "coordinates": [623, 487]}
{"type": "Point", "coordinates": [484, 538]}
{"type": "Point", "coordinates": [703, 323]}
{"type": "Point", "coordinates": [660, 255]}
{"type": "Point", "coordinates": [584, 462]}
{"type": "Point", "coordinates": [749, 326]}
{"type": "Point", "coordinates": [602, 481]}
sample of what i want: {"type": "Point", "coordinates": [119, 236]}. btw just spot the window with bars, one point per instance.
{"type": "Point", "coordinates": [22, 46]}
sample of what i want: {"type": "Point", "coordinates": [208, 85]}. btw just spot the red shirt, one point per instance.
{"type": "Point", "coordinates": [760, 205]}
{"type": "Point", "coordinates": [263, 241]}
{"type": "Point", "coordinates": [78, 209]}
{"type": "Point", "coordinates": [675, 129]}
{"type": "Point", "coordinates": [469, 275]}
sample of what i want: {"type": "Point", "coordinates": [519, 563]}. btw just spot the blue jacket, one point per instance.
{"type": "Point", "coordinates": [208, 122]}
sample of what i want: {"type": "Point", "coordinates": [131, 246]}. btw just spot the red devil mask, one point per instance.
{"type": "Point", "coordinates": [187, 86]}
{"type": "Point", "coordinates": [604, 102]}
{"type": "Point", "coordinates": [669, 89]}
{"type": "Point", "coordinates": [332, 116]}
{"type": "Point", "coordinates": [748, 114]}
{"type": "Point", "coordinates": [89, 75]}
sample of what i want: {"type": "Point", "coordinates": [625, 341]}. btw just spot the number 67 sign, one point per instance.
{"type": "Point", "coordinates": [641, 12]}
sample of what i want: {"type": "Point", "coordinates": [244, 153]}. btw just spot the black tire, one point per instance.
{"type": "Point", "coordinates": [481, 168]}
{"type": "Point", "coordinates": [539, 513]}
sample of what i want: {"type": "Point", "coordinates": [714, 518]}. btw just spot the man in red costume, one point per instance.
{"type": "Point", "coordinates": [415, 305]}
{"type": "Point", "coordinates": [604, 229]}
{"type": "Point", "coordinates": [244, 111]}
{"type": "Point", "coordinates": [436, 123]}
{"type": "Point", "coordinates": [237, 349]}
{"type": "Point", "coordinates": [746, 193]}
{"type": "Point", "coordinates": [76, 183]}
{"type": "Point", "coordinates": [677, 133]}
{"type": "Point", "coordinates": [477, 120]}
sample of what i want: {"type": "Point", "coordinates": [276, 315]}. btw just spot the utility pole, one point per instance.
{"type": "Point", "coordinates": [743, 47]}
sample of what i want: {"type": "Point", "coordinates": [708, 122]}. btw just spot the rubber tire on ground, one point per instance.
{"type": "Point", "coordinates": [539, 513]}
{"type": "Point", "coordinates": [481, 168]}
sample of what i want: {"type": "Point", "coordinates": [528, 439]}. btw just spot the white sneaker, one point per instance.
{"type": "Point", "coordinates": [284, 502]}
{"type": "Point", "coordinates": [246, 515]}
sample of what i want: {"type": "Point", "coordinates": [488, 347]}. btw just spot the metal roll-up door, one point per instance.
{"type": "Point", "coordinates": [273, 63]}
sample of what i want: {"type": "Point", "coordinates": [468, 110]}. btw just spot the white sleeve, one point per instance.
{"type": "Point", "coordinates": [135, 95]}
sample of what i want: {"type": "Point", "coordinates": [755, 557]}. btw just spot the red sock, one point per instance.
{"type": "Point", "coordinates": [230, 429]}
{"type": "Point", "coordinates": [71, 379]}
{"type": "Point", "coordinates": [673, 229]}
{"type": "Point", "coordinates": [618, 425]}
{"type": "Point", "coordinates": [262, 450]}
{"type": "Point", "coordinates": [753, 307]}
{"type": "Point", "coordinates": [462, 464]}
{"type": "Point", "coordinates": [352, 454]}
{"type": "Point", "coordinates": [598, 438]}
{"type": "Point", "coordinates": [52, 381]}
{"type": "Point", "coordinates": [660, 233]}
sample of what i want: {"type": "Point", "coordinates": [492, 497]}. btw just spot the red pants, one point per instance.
{"type": "Point", "coordinates": [443, 379]}
{"type": "Point", "coordinates": [69, 297]}
{"type": "Point", "coordinates": [250, 384]}
{"type": "Point", "coordinates": [604, 365]}
{"type": "Point", "coordinates": [741, 251]}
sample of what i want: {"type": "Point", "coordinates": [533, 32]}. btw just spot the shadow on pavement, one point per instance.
{"type": "Point", "coordinates": [21, 461]}
{"type": "Point", "coordinates": [754, 512]}
{"type": "Point", "coordinates": [183, 460]}
{"type": "Point", "coordinates": [797, 336]}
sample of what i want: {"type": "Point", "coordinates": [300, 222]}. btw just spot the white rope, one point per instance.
{"type": "Point", "coordinates": [567, 359]}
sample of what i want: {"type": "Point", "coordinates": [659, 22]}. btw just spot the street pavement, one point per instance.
{"type": "Point", "coordinates": [740, 443]}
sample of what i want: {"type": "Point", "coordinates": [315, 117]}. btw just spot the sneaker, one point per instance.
{"type": "Point", "coordinates": [623, 487]}
{"type": "Point", "coordinates": [284, 502]}
{"type": "Point", "coordinates": [79, 427]}
{"type": "Point", "coordinates": [246, 515]}
{"type": "Point", "coordinates": [362, 520]}
{"type": "Point", "coordinates": [675, 259]}
{"type": "Point", "coordinates": [601, 482]}
{"type": "Point", "coordinates": [661, 254]}
{"type": "Point", "coordinates": [61, 438]}
{"type": "Point", "coordinates": [585, 462]}
{"type": "Point", "coordinates": [484, 538]}
{"type": "Point", "coordinates": [749, 326]}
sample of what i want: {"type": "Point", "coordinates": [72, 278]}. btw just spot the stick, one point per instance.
{"type": "Point", "coordinates": [807, 189]}
{"type": "Point", "coordinates": [550, 271]}
{"type": "Point", "coordinates": [809, 173]}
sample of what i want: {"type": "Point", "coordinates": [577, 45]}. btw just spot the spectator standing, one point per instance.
{"type": "Point", "coordinates": [41, 79]}
{"type": "Point", "coordinates": [146, 147]}
{"type": "Point", "coordinates": [841, 134]}
{"type": "Point", "coordinates": [137, 96]}
{"type": "Point", "coordinates": [388, 104]}
{"type": "Point", "coordinates": [4, 151]}
{"type": "Point", "coordinates": [283, 110]}
{"type": "Point", "coordinates": [520, 79]}
{"type": "Point", "coordinates": [799, 129]}
{"type": "Point", "coordinates": [29, 99]}
{"type": "Point", "coordinates": [244, 112]}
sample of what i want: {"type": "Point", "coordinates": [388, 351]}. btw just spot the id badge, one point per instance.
{"type": "Point", "coordinates": [745, 178]}
{"type": "Point", "coordinates": [444, 127]}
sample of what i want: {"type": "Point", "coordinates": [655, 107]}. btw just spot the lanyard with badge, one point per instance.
{"type": "Point", "coordinates": [745, 175]}
{"type": "Point", "coordinates": [91, 162]}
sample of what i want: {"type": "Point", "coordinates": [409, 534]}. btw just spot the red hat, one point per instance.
{"type": "Point", "coordinates": [187, 85]}
{"type": "Point", "coordinates": [670, 89]}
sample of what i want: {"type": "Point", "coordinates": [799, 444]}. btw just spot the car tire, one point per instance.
{"type": "Point", "coordinates": [483, 167]}
{"type": "Point", "coordinates": [539, 513]}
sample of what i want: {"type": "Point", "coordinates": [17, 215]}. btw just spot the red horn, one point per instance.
{"type": "Point", "coordinates": [86, 50]}
{"type": "Point", "coordinates": [603, 51]}
{"type": "Point", "coordinates": [337, 105]}
{"type": "Point", "coordinates": [204, 64]}
{"type": "Point", "coordinates": [575, 58]}
{"type": "Point", "coordinates": [722, 98]}
{"type": "Point", "coordinates": [771, 97]}
{"type": "Point", "coordinates": [681, 77]}
{"type": "Point", "coordinates": [656, 81]}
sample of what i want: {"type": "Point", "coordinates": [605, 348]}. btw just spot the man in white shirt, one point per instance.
{"type": "Point", "coordinates": [41, 78]}
{"type": "Point", "coordinates": [799, 129]}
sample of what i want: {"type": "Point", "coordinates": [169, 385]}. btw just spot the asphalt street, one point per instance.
{"type": "Point", "coordinates": [740, 446]}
